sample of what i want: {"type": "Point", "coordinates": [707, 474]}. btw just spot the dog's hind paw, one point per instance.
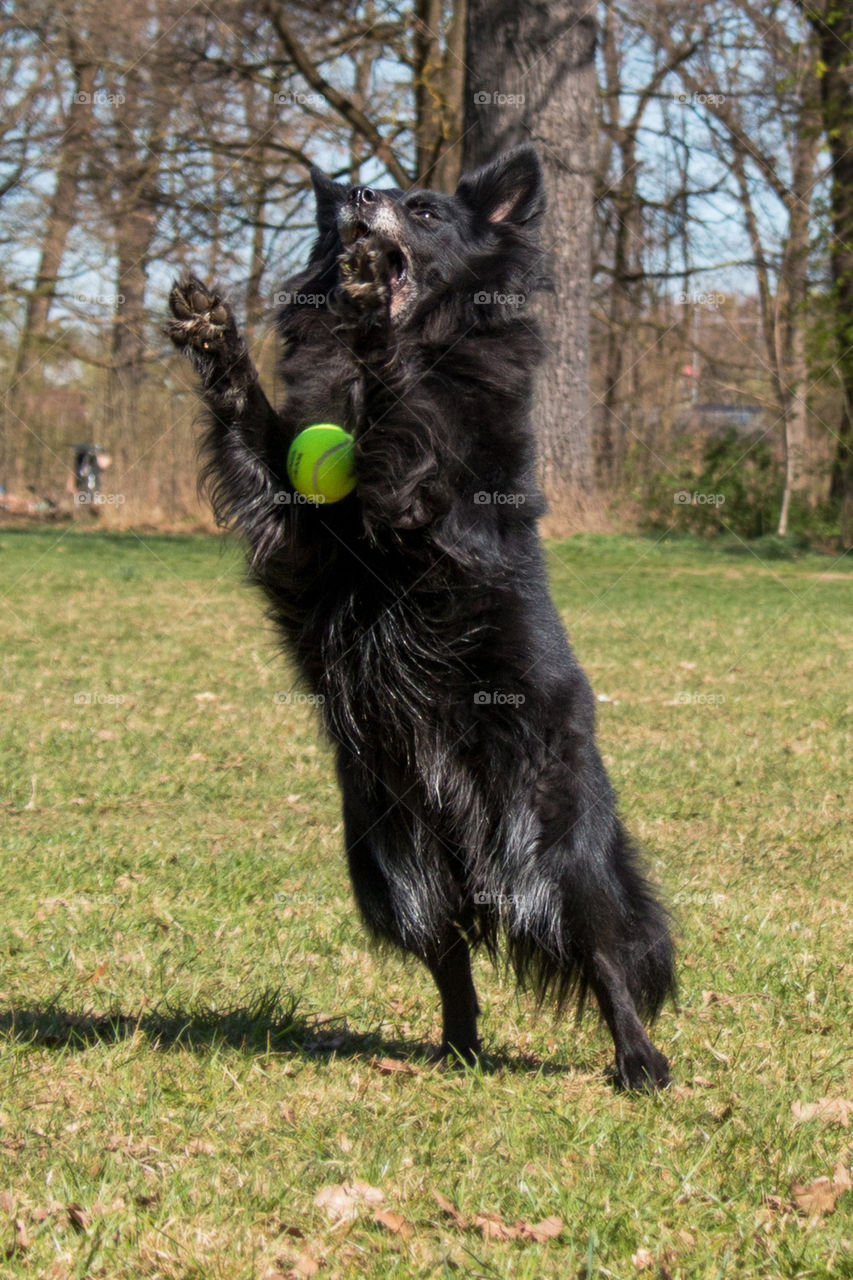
{"type": "Point", "coordinates": [201, 319]}
{"type": "Point", "coordinates": [642, 1069]}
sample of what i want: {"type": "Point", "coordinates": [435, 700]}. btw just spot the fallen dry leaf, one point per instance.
{"type": "Point", "coordinates": [342, 1202]}
{"type": "Point", "coordinates": [22, 1237]}
{"type": "Point", "coordinates": [451, 1210]}
{"type": "Point", "coordinates": [7, 1203]}
{"type": "Point", "coordinates": [44, 1211]}
{"type": "Point", "coordinates": [493, 1226]}
{"type": "Point", "coordinates": [394, 1222]}
{"type": "Point", "coordinates": [716, 997]}
{"type": "Point", "coordinates": [833, 1110]}
{"type": "Point", "coordinates": [642, 1259]}
{"type": "Point", "coordinates": [547, 1229]}
{"type": "Point", "coordinates": [200, 1147]}
{"type": "Point", "coordinates": [815, 1199]}
{"type": "Point", "coordinates": [394, 1066]}
{"type": "Point", "coordinates": [304, 1265]}
{"type": "Point", "coordinates": [841, 1178]}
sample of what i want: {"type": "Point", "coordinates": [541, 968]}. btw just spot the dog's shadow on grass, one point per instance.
{"type": "Point", "coordinates": [267, 1026]}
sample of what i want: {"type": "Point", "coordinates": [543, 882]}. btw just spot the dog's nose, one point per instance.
{"type": "Point", "coordinates": [362, 195]}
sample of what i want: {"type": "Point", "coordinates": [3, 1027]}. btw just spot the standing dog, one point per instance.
{"type": "Point", "coordinates": [476, 806]}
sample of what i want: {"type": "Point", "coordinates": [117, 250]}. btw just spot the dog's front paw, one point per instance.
{"type": "Point", "coordinates": [201, 319]}
{"type": "Point", "coordinates": [365, 289]}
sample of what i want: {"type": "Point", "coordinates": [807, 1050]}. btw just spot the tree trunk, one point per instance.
{"type": "Point", "coordinates": [60, 216]}
{"type": "Point", "coordinates": [531, 76]}
{"type": "Point", "coordinates": [139, 150]}
{"type": "Point", "coordinates": [439, 93]}
{"type": "Point", "coordinates": [833, 27]}
{"type": "Point", "coordinates": [792, 292]}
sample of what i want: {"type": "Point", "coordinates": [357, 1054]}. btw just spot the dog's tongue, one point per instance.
{"type": "Point", "coordinates": [397, 263]}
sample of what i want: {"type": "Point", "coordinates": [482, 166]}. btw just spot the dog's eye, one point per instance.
{"type": "Point", "coordinates": [425, 213]}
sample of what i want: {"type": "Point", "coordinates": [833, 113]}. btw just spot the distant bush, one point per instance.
{"type": "Point", "coordinates": [731, 485]}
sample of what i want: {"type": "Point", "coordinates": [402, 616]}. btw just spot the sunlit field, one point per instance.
{"type": "Point", "coordinates": [206, 1072]}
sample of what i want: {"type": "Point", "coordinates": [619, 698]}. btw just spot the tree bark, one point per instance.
{"type": "Point", "coordinates": [61, 213]}
{"type": "Point", "coordinates": [832, 24]}
{"type": "Point", "coordinates": [531, 76]}
{"type": "Point", "coordinates": [439, 94]}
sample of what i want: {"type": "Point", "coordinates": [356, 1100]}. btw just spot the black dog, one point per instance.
{"type": "Point", "coordinates": [476, 806]}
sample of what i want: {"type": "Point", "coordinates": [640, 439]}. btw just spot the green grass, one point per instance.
{"type": "Point", "coordinates": [192, 1028]}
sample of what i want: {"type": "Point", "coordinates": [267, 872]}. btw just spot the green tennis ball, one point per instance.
{"type": "Point", "coordinates": [321, 463]}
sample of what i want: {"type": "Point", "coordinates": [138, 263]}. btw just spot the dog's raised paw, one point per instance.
{"type": "Point", "coordinates": [365, 277]}
{"type": "Point", "coordinates": [201, 319]}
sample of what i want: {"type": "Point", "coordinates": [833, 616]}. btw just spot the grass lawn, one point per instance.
{"type": "Point", "coordinates": [198, 1050]}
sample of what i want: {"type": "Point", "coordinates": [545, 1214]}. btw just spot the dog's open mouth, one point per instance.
{"type": "Point", "coordinates": [397, 261]}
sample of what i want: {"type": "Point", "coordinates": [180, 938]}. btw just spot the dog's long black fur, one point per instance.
{"type": "Point", "coordinates": [476, 806]}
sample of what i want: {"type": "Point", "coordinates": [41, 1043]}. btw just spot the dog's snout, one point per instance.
{"type": "Point", "coordinates": [362, 196]}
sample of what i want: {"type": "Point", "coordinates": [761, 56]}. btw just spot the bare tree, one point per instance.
{"type": "Point", "coordinates": [745, 108]}
{"type": "Point", "coordinates": [620, 196]}
{"type": "Point", "coordinates": [532, 76]}
{"type": "Point", "coordinates": [72, 145]}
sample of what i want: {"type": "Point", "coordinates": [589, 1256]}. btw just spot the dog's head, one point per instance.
{"type": "Point", "coordinates": [438, 242]}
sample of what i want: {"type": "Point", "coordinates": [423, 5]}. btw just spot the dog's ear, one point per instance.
{"type": "Point", "coordinates": [510, 189]}
{"type": "Point", "coordinates": [329, 195]}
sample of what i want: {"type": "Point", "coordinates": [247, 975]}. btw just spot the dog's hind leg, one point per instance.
{"type": "Point", "coordinates": [406, 901]}
{"type": "Point", "coordinates": [639, 1065]}
{"type": "Point", "coordinates": [450, 966]}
